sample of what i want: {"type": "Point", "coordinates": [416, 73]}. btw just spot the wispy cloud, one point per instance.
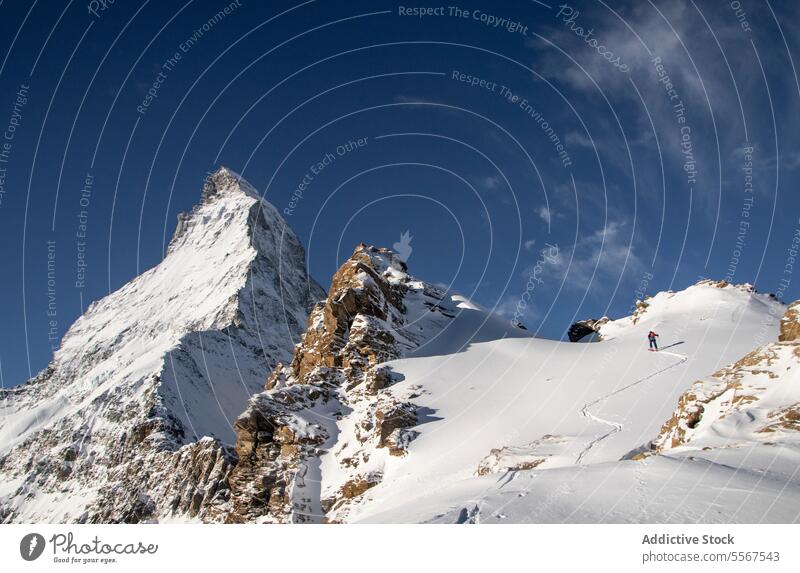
{"type": "Point", "coordinates": [403, 98]}
{"type": "Point", "coordinates": [684, 38]}
{"type": "Point", "coordinates": [489, 182]}
{"type": "Point", "coordinates": [544, 214]}
{"type": "Point", "coordinates": [598, 258]}
{"type": "Point", "coordinates": [578, 139]}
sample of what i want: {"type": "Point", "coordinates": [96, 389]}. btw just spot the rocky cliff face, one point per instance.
{"type": "Point", "coordinates": [318, 437]}
{"type": "Point", "coordinates": [133, 419]}
{"type": "Point", "coordinates": [754, 400]}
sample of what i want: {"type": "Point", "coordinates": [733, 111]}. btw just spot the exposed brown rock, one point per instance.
{"type": "Point", "coordinates": [270, 449]}
{"type": "Point", "coordinates": [358, 486]}
{"type": "Point", "coordinates": [641, 308]}
{"type": "Point", "coordinates": [790, 324]}
{"type": "Point", "coordinates": [787, 419]}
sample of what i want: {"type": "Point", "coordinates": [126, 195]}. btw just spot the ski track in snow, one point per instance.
{"type": "Point", "coordinates": [616, 426]}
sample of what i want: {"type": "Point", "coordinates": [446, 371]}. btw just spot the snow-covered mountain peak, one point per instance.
{"type": "Point", "coordinates": [228, 245]}
{"type": "Point", "coordinates": [225, 181]}
{"type": "Point", "coordinates": [225, 208]}
{"type": "Point", "coordinates": [168, 359]}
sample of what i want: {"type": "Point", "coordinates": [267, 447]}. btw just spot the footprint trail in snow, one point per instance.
{"type": "Point", "coordinates": [616, 426]}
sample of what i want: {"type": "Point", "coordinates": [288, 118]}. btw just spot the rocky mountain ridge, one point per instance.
{"type": "Point", "coordinates": [334, 398]}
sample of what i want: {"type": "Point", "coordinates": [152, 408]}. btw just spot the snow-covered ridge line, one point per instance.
{"type": "Point", "coordinates": [591, 330]}
{"type": "Point", "coordinates": [755, 400]}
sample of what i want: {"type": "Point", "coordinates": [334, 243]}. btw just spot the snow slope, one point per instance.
{"type": "Point", "coordinates": [660, 489]}
{"type": "Point", "coordinates": [537, 430]}
{"type": "Point", "coordinates": [168, 359]}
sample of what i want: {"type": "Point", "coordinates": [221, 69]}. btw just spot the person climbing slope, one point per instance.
{"type": "Point", "coordinates": [651, 336]}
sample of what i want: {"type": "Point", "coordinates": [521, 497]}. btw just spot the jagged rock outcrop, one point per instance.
{"type": "Point", "coordinates": [756, 399]}
{"type": "Point", "coordinates": [132, 420]}
{"type": "Point", "coordinates": [583, 328]}
{"type": "Point", "coordinates": [274, 440]}
{"type": "Point", "coordinates": [334, 399]}
{"type": "Point", "coordinates": [191, 482]}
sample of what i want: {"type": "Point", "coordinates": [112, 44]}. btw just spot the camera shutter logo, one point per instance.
{"type": "Point", "coordinates": [31, 547]}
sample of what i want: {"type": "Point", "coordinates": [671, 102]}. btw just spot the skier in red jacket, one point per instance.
{"type": "Point", "coordinates": [651, 336]}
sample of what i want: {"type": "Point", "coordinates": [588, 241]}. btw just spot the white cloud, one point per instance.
{"type": "Point", "coordinates": [599, 258]}
{"type": "Point", "coordinates": [578, 139]}
{"type": "Point", "coordinates": [544, 214]}
{"type": "Point", "coordinates": [490, 182]}
{"type": "Point", "coordinates": [680, 37]}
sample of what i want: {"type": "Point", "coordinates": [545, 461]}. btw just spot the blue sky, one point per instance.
{"type": "Point", "coordinates": [652, 144]}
